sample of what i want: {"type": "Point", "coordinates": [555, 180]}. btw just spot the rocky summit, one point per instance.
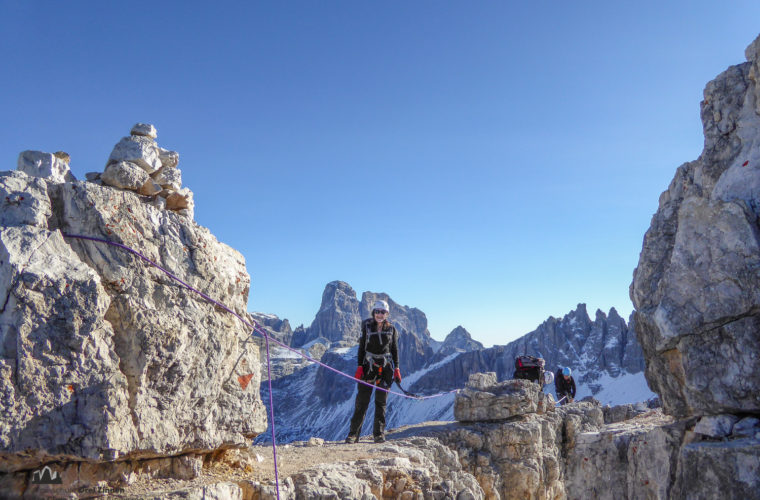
{"type": "Point", "coordinates": [117, 379]}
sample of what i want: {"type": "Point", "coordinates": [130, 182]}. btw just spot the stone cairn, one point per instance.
{"type": "Point", "coordinates": [139, 164]}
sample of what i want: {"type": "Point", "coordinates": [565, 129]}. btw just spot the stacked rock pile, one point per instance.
{"type": "Point", "coordinates": [138, 164]}
{"type": "Point", "coordinates": [485, 399]}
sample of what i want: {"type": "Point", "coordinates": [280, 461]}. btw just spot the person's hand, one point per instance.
{"type": "Point", "coordinates": [359, 373]}
{"type": "Point", "coordinates": [397, 375]}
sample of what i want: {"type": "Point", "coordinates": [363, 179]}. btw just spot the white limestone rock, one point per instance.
{"type": "Point", "coordinates": [103, 356]}
{"type": "Point", "coordinates": [696, 289]}
{"type": "Point", "coordinates": [182, 202]}
{"type": "Point", "coordinates": [482, 381]}
{"type": "Point", "coordinates": [63, 391]}
{"type": "Point", "coordinates": [124, 175]}
{"type": "Point", "coordinates": [144, 129]}
{"type": "Point", "coordinates": [633, 459]}
{"type": "Point", "coordinates": [141, 150]}
{"type": "Point", "coordinates": [45, 165]}
{"type": "Point", "coordinates": [169, 178]}
{"type": "Point", "coordinates": [169, 159]}
{"type": "Point", "coordinates": [150, 188]}
{"type": "Point", "coordinates": [421, 468]}
{"type": "Point", "coordinates": [522, 457]}
{"type": "Point", "coordinates": [723, 469]}
{"type": "Point", "coordinates": [497, 401]}
{"type": "Point", "coordinates": [746, 427]}
{"type": "Point", "coordinates": [716, 426]}
{"type": "Point", "coordinates": [23, 200]}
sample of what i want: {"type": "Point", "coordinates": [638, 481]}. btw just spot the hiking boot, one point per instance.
{"type": "Point", "coordinates": [379, 439]}
{"type": "Point", "coordinates": [352, 439]}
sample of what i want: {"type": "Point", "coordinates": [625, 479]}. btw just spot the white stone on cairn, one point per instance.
{"type": "Point", "coordinates": [144, 129]}
{"type": "Point", "coordinates": [137, 149]}
{"type": "Point", "coordinates": [124, 175]}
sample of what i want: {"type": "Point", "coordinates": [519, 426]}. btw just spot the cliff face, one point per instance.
{"type": "Point", "coordinates": [697, 287]}
{"type": "Point", "coordinates": [102, 356]}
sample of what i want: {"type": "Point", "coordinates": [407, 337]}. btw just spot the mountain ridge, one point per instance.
{"type": "Point", "coordinates": [602, 352]}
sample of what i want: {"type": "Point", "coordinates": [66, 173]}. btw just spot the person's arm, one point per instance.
{"type": "Point", "coordinates": [360, 361]}
{"type": "Point", "coordinates": [572, 388]}
{"type": "Point", "coordinates": [362, 343]}
{"type": "Point", "coordinates": [394, 347]}
{"type": "Point", "coordinates": [394, 355]}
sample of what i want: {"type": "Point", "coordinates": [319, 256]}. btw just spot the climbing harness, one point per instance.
{"type": "Point", "coordinates": [256, 328]}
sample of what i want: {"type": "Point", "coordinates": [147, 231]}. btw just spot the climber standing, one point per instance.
{"type": "Point", "coordinates": [564, 385]}
{"type": "Point", "coordinates": [378, 365]}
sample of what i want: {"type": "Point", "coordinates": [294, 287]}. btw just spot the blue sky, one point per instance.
{"type": "Point", "coordinates": [490, 163]}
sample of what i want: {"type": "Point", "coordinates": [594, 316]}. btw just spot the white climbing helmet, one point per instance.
{"type": "Point", "coordinates": [548, 377]}
{"type": "Point", "coordinates": [380, 305]}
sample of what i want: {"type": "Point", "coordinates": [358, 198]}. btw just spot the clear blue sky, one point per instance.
{"type": "Point", "coordinates": [491, 163]}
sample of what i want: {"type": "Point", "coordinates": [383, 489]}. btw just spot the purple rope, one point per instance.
{"type": "Point", "coordinates": [261, 331]}
{"type": "Point", "coordinates": [271, 409]}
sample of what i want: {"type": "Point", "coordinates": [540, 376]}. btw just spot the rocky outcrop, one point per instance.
{"type": "Point", "coordinates": [484, 399]}
{"type": "Point", "coordinates": [279, 328]}
{"type": "Point", "coordinates": [697, 302]}
{"type": "Point", "coordinates": [103, 358]}
{"type": "Point", "coordinates": [51, 166]}
{"type": "Point", "coordinates": [696, 289]}
{"type": "Point", "coordinates": [633, 459]}
{"type": "Point", "coordinates": [419, 468]}
{"type": "Point", "coordinates": [338, 316]}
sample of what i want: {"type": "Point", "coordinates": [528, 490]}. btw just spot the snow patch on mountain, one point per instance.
{"type": "Point", "coordinates": [627, 388]}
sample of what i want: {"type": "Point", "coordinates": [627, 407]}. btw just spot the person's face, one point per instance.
{"type": "Point", "coordinates": [567, 377]}
{"type": "Point", "coordinates": [379, 315]}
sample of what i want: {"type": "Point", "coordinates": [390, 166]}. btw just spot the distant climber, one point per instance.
{"type": "Point", "coordinates": [378, 365]}
{"type": "Point", "coordinates": [564, 385]}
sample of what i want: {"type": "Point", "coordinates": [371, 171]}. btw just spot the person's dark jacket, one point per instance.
{"type": "Point", "coordinates": [385, 342]}
{"type": "Point", "coordinates": [563, 386]}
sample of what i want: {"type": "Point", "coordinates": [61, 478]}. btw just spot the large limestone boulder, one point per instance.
{"type": "Point", "coordinates": [104, 357]}
{"type": "Point", "coordinates": [634, 459]}
{"type": "Point", "coordinates": [485, 399]}
{"type": "Point", "coordinates": [124, 175]}
{"type": "Point", "coordinates": [138, 149]}
{"type": "Point", "coordinates": [717, 470]}
{"type": "Point", "coordinates": [697, 288]}
{"type": "Point", "coordinates": [24, 200]}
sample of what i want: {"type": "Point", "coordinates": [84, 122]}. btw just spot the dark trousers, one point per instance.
{"type": "Point", "coordinates": [360, 409]}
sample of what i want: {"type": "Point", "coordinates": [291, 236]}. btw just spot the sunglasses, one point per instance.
{"type": "Point", "coordinates": [378, 311]}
